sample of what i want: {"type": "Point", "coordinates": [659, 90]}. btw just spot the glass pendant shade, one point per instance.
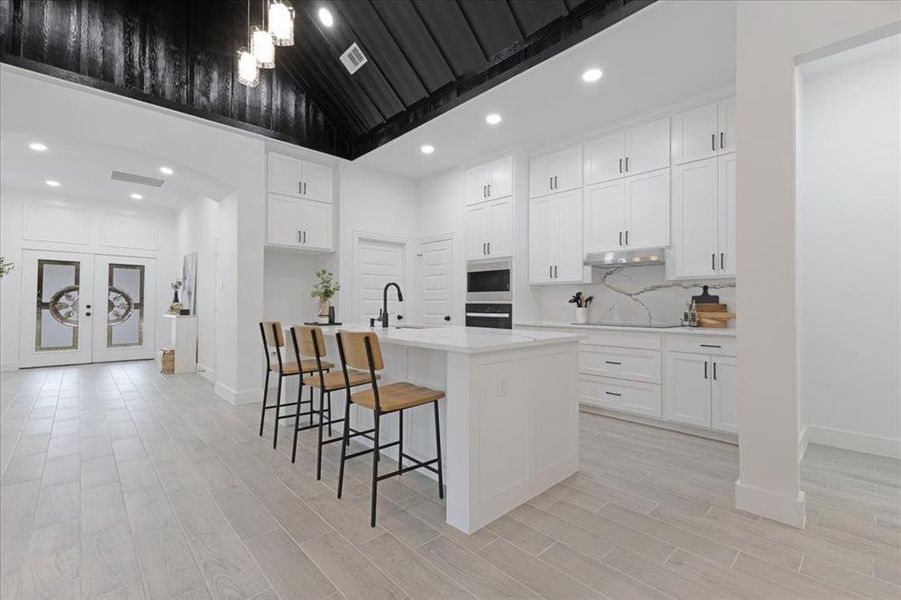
{"type": "Point", "coordinates": [281, 24]}
{"type": "Point", "coordinates": [262, 48]}
{"type": "Point", "coordinates": [248, 72]}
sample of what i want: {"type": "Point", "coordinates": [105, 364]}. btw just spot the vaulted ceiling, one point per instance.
{"type": "Point", "coordinates": [424, 57]}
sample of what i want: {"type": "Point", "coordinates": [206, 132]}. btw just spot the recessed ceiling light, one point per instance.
{"type": "Point", "coordinates": [493, 119]}
{"type": "Point", "coordinates": [38, 147]}
{"type": "Point", "coordinates": [52, 183]}
{"type": "Point", "coordinates": [137, 197]}
{"type": "Point", "coordinates": [325, 17]}
{"type": "Point", "coordinates": [427, 149]}
{"type": "Point", "coordinates": [166, 171]}
{"type": "Point", "coordinates": [591, 75]}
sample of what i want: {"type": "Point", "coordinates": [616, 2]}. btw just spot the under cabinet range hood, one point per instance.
{"type": "Point", "coordinates": [626, 258]}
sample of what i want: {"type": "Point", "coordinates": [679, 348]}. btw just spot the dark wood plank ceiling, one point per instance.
{"type": "Point", "coordinates": [424, 57]}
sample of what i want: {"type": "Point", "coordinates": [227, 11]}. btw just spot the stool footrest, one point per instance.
{"type": "Point", "coordinates": [370, 450]}
{"type": "Point", "coordinates": [417, 465]}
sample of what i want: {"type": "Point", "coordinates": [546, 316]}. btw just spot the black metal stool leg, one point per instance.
{"type": "Point", "coordinates": [375, 468]}
{"type": "Point", "coordinates": [438, 447]}
{"type": "Point", "coordinates": [278, 410]}
{"type": "Point", "coordinates": [344, 445]}
{"type": "Point", "coordinates": [311, 406]}
{"type": "Point", "coordinates": [296, 423]}
{"type": "Point", "coordinates": [329, 395]}
{"type": "Point", "coordinates": [400, 444]}
{"type": "Point", "coordinates": [319, 442]}
{"type": "Point", "coordinates": [265, 394]}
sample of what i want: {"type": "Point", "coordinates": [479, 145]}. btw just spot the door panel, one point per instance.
{"type": "Point", "coordinates": [695, 218]}
{"type": "Point", "coordinates": [477, 231]}
{"type": "Point", "coordinates": [500, 178]}
{"type": "Point", "coordinates": [725, 394]}
{"type": "Point", "coordinates": [605, 218]}
{"type": "Point", "coordinates": [603, 158]}
{"type": "Point", "coordinates": [435, 282]}
{"type": "Point", "coordinates": [568, 227]}
{"type": "Point", "coordinates": [648, 147]}
{"type": "Point", "coordinates": [541, 174]}
{"type": "Point", "coordinates": [726, 220]}
{"type": "Point", "coordinates": [124, 314]}
{"type": "Point", "coordinates": [726, 122]}
{"type": "Point", "coordinates": [317, 180]}
{"type": "Point", "coordinates": [541, 239]}
{"type": "Point", "coordinates": [647, 209]}
{"type": "Point", "coordinates": [284, 175]}
{"type": "Point", "coordinates": [695, 134]}
{"type": "Point", "coordinates": [316, 224]}
{"type": "Point", "coordinates": [376, 263]}
{"type": "Point", "coordinates": [476, 180]}
{"type": "Point", "coordinates": [568, 169]}
{"type": "Point", "coordinates": [500, 228]}
{"type": "Point", "coordinates": [282, 221]}
{"type": "Point", "coordinates": [56, 292]}
{"type": "Point", "coordinates": [688, 388]}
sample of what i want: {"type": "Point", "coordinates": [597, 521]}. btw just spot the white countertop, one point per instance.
{"type": "Point", "coordinates": [706, 331]}
{"type": "Point", "coordinates": [463, 340]}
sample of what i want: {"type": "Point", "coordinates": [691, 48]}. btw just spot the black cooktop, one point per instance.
{"type": "Point", "coordinates": [653, 326]}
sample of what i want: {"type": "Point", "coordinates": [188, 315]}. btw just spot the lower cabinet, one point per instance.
{"type": "Point", "coordinates": [700, 390]}
{"type": "Point", "coordinates": [620, 394]}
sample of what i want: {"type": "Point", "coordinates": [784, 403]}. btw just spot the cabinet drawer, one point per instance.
{"type": "Point", "coordinates": [621, 339]}
{"type": "Point", "coordinates": [713, 345]}
{"type": "Point", "coordinates": [621, 363]}
{"type": "Point", "coordinates": [618, 394]}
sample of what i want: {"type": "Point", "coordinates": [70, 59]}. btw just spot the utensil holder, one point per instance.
{"type": "Point", "coordinates": [581, 315]}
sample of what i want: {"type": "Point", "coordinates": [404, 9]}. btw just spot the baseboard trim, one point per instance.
{"type": "Point", "coordinates": [235, 397]}
{"type": "Point", "coordinates": [206, 372]}
{"type": "Point", "coordinates": [785, 509]}
{"type": "Point", "coordinates": [854, 440]}
{"type": "Point", "coordinates": [9, 365]}
{"type": "Point", "coordinates": [709, 434]}
{"type": "Point", "coordinates": [803, 442]}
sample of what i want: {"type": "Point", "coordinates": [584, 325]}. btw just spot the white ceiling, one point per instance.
{"type": "Point", "coordinates": [662, 55]}
{"type": "Point", "coordinates": [83, 170]}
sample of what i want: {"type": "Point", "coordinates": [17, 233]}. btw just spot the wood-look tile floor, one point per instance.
{"type": "Point", "coordinates": [120, 483]}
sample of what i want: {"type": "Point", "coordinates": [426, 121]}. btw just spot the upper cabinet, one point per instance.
{"type": "Point", "coordinates": [631, 152]}
{"type": "Point", "coordinates": [704, 132]}
{"type": "Point", "coordinates": [489, 181]}
{"type": "Point", "coordinates": [630, 213]}
{"type": "Point", "coordinates": [556, 172]}
{"type": "Point", "coordinates": [555, 238]}
{"type": "Point", "coordinates": [489, 229]}
{"type": "Point", "coordinates": [299, 178]}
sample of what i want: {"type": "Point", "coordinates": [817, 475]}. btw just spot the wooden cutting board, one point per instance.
{"type": "Point", "coordinates": [711, 307]}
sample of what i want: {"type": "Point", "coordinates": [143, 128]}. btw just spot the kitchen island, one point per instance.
{"type": "Point", "coordinates": [510, 420]}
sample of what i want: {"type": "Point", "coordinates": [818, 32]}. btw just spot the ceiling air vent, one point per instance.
{"type": "Point", "coordinates": [139, 179]}
{"type": "Point", "coordinates": [353, 58]}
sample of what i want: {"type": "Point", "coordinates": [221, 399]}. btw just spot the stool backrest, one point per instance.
{"type": "Point", "coordinates": [273, 334]}
{"type": "Point", "coordinates": [310, 341]}
{"type": "Point", "coordinates": [354, 353]}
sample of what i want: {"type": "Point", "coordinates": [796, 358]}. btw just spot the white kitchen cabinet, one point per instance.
{"type": "Point", "coordinates": [492, 180]}
{"type": "Point", "coordinates": [688, 388]}
{"type": "Point", "coordinates": [299, 223]}
{"type": "Point", "coordinates": [557, 172]}
{"type": "Point", "coordinates": [724, 394]}
{"type": "Point", "coordinates": [489, 229]}
{"type": "Point", "coordinates": [701, 390]}
{"type": "Point", "coordinates": [620, 394]}
{"type": "Point", "coordinates": [634, 151]}
{"type": "Point", "coordinates": [300, 179]}
{"type": "Point", "coordinates": [704, 131]}
{"type": "Point", "coordinates": [555, 238]}
{"type": "Point", "coordinates": [628, 214]}
{"type": "Point", "coordinates": [704, 217]}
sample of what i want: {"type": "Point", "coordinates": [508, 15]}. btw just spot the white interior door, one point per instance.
{"type": "Point", "coordinates": [55, 311]}
{"type": "Point", "coordinates": [124, 310]}
{"type": "Point", "coordinates": [436, 281]}
{"type": "Point", "coordinates": [378, 263]}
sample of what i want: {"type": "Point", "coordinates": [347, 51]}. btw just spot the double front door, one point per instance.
{"type": "Point", "coordinates": [81, 308]}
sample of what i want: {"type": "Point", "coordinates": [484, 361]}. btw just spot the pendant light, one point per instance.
{"type": "Point", "coordinates": [262, 48]}
{"type": "Point", "coordinates": [248, 72]}
{"type": "Point", "coordinates": [281, 23]}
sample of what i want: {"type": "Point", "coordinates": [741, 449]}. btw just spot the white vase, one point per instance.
{"type": "Point", "coordinates": [581, 315]}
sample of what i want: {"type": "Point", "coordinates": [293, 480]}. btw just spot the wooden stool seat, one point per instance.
{"type": "Point", "coordinates": [308, 366]}
{"type": "Point", "coordinates": [334, 381]}
{"type": "Point", "coordinates": [397, 396]}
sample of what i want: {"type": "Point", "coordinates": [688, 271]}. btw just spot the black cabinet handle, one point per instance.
{"type": "Point", "coordinates": [489, 248]}
{"type": "Point", "coordinates": [88, 306]}
{"type": "Point", "coordinates": [722, 261]}
{"type": "Point", "coordinates": [722, 140]}
{"type": "Point", "coordinates": [613, 393]}
{"type": "Point", "coordinates": [489, 190]}
{"type": "Point", "coordinates": [713, 261]}
{"type": "Point", "coordinates": [612, 362]}
{"type": "Point", "coordinates": [705, 369]}
{"type": "Point", "coordinates": [300, 187]}
{"type": "Point", "coordinates": [550, 271]}
{"type": "Point", "coordinates": [714, 371]}
{"type": "Point", "coordinates": [555, 272]}
{"type": "Point", "coordinates": [87, 314]}
{"type": "Point", "coordinates": [620, 165]}
{"type": "Point", "coordinates": [620, 238]}
{"type": "Point", "coordinates": [627, 234]}
{"type": "Point", "coordinates": [447, 317]}
{"type": "Point", "coordinates": [627, 164]}
{"type": "Point", "coordinates": [556, 185]}
{"type": "Point", "coordinates": [298, 236]}
{"type": "Point", "coordinates": [550, 183]}
{"type": "Point", "coordinates": [710, 346]}
{"type": "Point", "coordinates": [713, 142]}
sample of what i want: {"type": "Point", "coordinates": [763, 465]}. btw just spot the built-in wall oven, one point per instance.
{"type": "Point", "coordinates": [489, 299]}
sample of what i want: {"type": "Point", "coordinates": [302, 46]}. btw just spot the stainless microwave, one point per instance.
{"type": "Point", "coordinates": [488, 282]}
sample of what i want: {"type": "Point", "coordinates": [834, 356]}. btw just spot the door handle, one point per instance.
{"type": "Point", "coordinates": [555, 183]}
{"type": "Point", "coordinates": [298, 236]}
{"type": "Point", "coordinates": [705, 369]}
{"type": "Point", "coordinates": [550, 272]}
{"type": "Point", "coordinates": [304, 237]}
{"type": "Point", "coordinates": [627, 237]}
{"type": "Point", "coordinates": [550, 183]}
{"type": "Point", "coordinates": [304, 188]}
{"type": "Point", "coordinates": [722, 261]}
{"type": "Point", "coordinates": [620, 238]}
{"type": "Point", "coordinates": [300, 187]}
{"type": "Point", "coordinates": [87, 314]}
{"type": "Point", "coordinates": [714, 371]}
{"type": "Point", "coordinates": [484, 191]}
{"type": "Point", "coordinates": [627, 164]}
{"type": "Point", "coordinates": [489, 248]}
{"type": "Point", "coordinates": [713, 142]}
{"type": "Point", "coordinates": [489, 190]}
{"type": "Point", "coordinates": [713, 261]}
{"type": "Point", "coordinates": [555, 271]}
{"type": "Point", "coordinates": [722, 139]}
{"type": "Point", "coordinates": [447, 317]}
{"type": "Point", "coordinates": [620, 165]}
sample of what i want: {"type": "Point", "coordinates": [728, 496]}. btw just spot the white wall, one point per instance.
{"type": "Point", "coordinates": [771, 37]}
{"type": "Point", "coordinates": [287, 281]}
{"type": "Point", "coordinates": [373, 202]}
{"type": "Point", "coordinates": [50, 213]}
{"type": "Point", "coordinates": [196, 231]}
{"type": "Point", "coordinates": [849, 173]}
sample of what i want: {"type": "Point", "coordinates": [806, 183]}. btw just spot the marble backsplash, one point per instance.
{"type": "Point", "coordinates": [632, 295]}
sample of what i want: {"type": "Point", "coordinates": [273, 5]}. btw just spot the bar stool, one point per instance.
{"type": "Point", "coordinates": [273, 341]}
{"type": "Point", "coordinates": [308, 341]}
{"type": "Point", "coordinates": [361, 351]}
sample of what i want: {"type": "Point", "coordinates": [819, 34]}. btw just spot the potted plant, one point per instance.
{"type": "Point", "coordinates": [325, 289]}
{"type": "Point", "coordinates": [175, 307]}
